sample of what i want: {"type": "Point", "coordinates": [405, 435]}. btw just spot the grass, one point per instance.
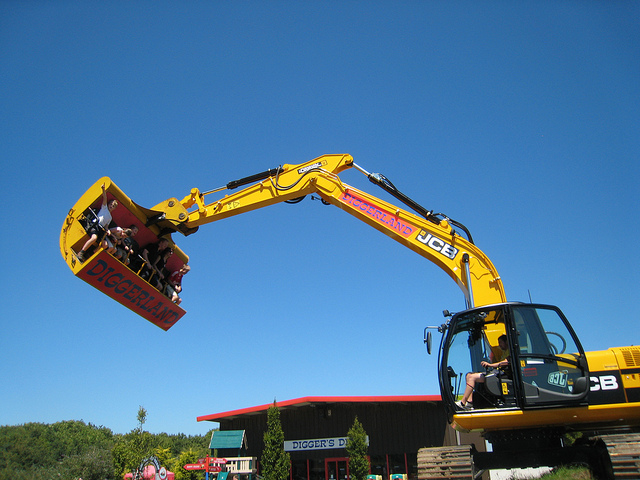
{"type": "Point", "coordinates": [569, 473]}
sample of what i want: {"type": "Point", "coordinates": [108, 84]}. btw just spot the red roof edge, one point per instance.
{"type": "Point", "coordinates": [307, 400]}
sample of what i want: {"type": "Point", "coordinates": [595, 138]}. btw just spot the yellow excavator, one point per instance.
{"type": "Point", "coordinates": [551, 404]}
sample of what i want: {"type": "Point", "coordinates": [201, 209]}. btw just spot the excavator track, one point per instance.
{"type": "Point", "coordinates": [438, 463]}
{"type": "Point", "coordinates": [624, 452]}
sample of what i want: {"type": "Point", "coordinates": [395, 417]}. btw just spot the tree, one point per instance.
{"type": "Point", "coordinates": [72, 449]}
{"type": "Point", "coordinates": [94, 464]}
{"type": "Point", "coordinates": [275, 461]}
{"type": "Point", "coordinates": [357, 451]}
{"type": "Point", "coordinates": [63, 450]}
{"type": "Point", "coordinates": [132, 448]}
{"type": "Point", "coordinates": [187, 456]}
{"type": "Point", "coordinates": [163, 455]}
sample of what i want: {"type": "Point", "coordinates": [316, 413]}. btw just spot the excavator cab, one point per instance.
{"type": "Point", "coordinates": [547, 365]}
{"type": "Point", "coordinates": [122, 276]}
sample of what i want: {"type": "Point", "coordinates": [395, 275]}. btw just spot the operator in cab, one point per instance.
{"type": "Point", "coordinates": [497, 361]}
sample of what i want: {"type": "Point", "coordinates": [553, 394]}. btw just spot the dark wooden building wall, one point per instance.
{"type": "Point", "coordinates": [392, 427]}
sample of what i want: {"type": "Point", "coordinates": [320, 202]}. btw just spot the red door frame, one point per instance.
{"type": "Point", "coordinates": [335, 460]}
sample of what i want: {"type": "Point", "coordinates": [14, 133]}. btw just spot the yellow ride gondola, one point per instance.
{"type": "Point", "coordinates": [110, 275]}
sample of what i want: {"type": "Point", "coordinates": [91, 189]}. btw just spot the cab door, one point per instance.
{"type": "Point", "coordinates": [551, 362]}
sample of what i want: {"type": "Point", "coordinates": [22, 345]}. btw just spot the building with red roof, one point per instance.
{"type": "Point", "coordinates": [316, 427]}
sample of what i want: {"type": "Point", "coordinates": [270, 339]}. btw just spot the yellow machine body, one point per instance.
{"type": "Point", "coordinates": [432, 238]}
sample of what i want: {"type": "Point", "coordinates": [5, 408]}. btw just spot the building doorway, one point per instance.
{"type": "Point", "coordinates": [336, 468]}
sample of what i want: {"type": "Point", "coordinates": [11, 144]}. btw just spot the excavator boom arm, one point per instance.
{"type": "Point", "coordinates": [430, 237]}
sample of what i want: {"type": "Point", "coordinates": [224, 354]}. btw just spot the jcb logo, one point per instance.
{"type": "Point", "coordinates": [438, 245]}
{"type": "Point", "coordinates": [604, 382]}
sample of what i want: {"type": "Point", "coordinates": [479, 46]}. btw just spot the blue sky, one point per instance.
{"type": "Point", "coordinates": [518, 119]}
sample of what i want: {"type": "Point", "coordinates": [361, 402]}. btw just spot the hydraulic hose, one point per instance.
{"type": "Point", "coordinates": [384, 183]}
